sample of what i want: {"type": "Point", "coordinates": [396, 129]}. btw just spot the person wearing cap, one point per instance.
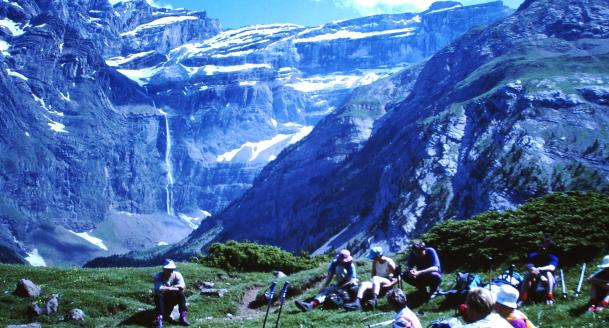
{"type": "Point", "coordinates": [479, 310]}
{"type": "Point", "coordinates": [599, 287]}
{"type": "Point", "coordinates": [405, 317]}
{"type": "Point", "coordinates": [169, 289]}
{"type": "Point", "coordinates": [423, 269]}
{"type": "Point", "coordinates": [383, 278]}
{"type": "Point", "coordinates": [506, 306]}
{"type": "Point", "coordinates": [541, 266]}
{"type": "Point", "coordinates": [341, 268]}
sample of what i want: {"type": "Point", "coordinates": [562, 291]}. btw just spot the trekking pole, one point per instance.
{"type": "Point", "coordinates": [581, 279]}
{"type": "Point", "coordinates": [282, 295]}
{"type": "Point", "coordinates": [384, 323]}
{"type": "Point", "coordinates": [564, 286]}
{"type": "Point", "coordinates": [269, 295]}
{"type": "Point", "coordinates": [490, 266]}
{"type": "Point", "coordinates": [511, 271]}
{"type": "Point", "coordinates": [399, 273]}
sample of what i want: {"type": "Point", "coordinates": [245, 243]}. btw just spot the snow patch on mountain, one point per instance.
{"type": "Point", "coordinates": [334, 82]}
{"type": "Point", "coordinates": [251, 151]}
{"type": "Point", "coordinates": [4, 46]}
{"type": "Point", "coordinates": [93, 240]}
{"type": "Point", "coordinates": [16, 74]}
{"type": "Point", "coordinates": [212, 69]}
{"type": "Point", "coordinates": [161, 22]}
{"type": "Point", "coordinates": [140, 76]}
{"type": "Point", "coordinates": [120, 60]}
{"type": "Point", "coordinates": [346, 34]}
{"type": "Point", "coordinates": [34, 259]}
{"type": "Point", "coordinates": [15, 28]}
{"type": "Point", "coordinates": [57, 127]}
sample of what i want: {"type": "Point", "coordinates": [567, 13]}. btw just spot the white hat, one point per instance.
{"type": "Point", "coordinates": [605, 263]}
{"type": "Point", "coordinates": [169, 264]}
{"type": "Point", "coordinates": [508, 296]}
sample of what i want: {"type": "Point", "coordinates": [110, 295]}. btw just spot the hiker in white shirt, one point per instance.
{"type": "Point", "coordinates": [383, 278]}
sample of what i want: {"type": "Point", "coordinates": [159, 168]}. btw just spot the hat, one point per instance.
{"type": "Point", "coordinates": [605, 263]}
{"type": "Point", "coordinates": [374, 252]}
{"type": "Point", "coordinates": [508, 296]}
{"type": "Point", "coordinates": [344, 256]}
{"type": "Point", "coordinates": [169, 264]}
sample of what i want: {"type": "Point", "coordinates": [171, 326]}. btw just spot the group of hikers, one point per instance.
{"type": "Point", "coordinates": [495, 307]}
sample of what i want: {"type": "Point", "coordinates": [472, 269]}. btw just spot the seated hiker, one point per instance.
{"type": "Point", "coordinates": [428, 272]}
{"type": "Point", "coordinates": [383, 271]}
{"type": "Point", "coordinates": [540, 269]}
{"type": "Point", "coordinates": [599, 287]}
{"type": "Point", "coordinates": [343, 269]}
{"type": "Point", "coordinates": [169, 291]}
{"type": "Point", "coordinates": [479, 310]}
{"type": "Point", "coordinates": [506, 304]}
{"type": "Point", "coordinates": [405, 317]}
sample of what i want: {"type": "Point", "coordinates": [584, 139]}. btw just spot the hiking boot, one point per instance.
{"type": "Point", "coordinates": [183, 319]}
{"type": "Point", "coordinates": [158, 322]}
{"type": "Point", "coordinates": [353, 306]}
{"type": "Point", "coordinates": [372, 302]}
{"type": "Point", "coordinates": [549, 302]}
{"type": "Point", "coordinates": [550, 299]}
{"type": "Point", "coordinates": [304, 306]}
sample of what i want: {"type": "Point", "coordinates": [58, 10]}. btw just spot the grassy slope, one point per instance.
{"type": "Point", "coordinates": [109, 296]}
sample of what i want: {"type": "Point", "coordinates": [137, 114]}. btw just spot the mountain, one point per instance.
{"type": "Point", "coordinates": [502, 114]}
{"type": "Point", "coordinates": [82, 146]}
{"type": "Point", "coordinates": [125, 125]}
{"type": "Point", "coordinates": [235, 100]}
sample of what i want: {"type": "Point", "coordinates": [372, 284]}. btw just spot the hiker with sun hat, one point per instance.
{"type": "Point", "coordinates": [169, 289]}
{"type": "Point", "coordinates": [599, 287]}
{"type": "Point", "coordinates": [506, 306]}
{"type": "Point", "coordinates": [342, 269]}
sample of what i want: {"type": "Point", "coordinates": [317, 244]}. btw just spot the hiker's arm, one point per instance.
{"type": "Point", "coordinates": [430, 269]}
{"type": "Point", "coordinates": [410, 262]}
{"type": "Point", "coordinates": [548, 267]}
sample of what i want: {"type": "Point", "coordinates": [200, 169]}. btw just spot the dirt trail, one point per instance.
{"type": "Point", "coordinates": [243, 310]}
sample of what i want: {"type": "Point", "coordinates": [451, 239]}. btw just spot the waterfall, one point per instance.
{"type": "Point", "coordinates": [169, 182]}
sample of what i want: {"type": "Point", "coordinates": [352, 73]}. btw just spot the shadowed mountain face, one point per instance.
{"type": "Point", "coordinates": [123, 126]}
{"type": "Point", "coordinates": [502, 114]}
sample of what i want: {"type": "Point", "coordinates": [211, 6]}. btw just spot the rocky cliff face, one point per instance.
{"type": "Point", "coordinates": [120, 121]}
{"type": "Point", "coordinates": [502, 114]}
{"type": "Point", "coordinates": [81, 143]}
{"type": "Point", "coordinates": [237, 99]}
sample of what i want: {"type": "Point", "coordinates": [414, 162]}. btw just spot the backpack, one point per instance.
{"type": "Point", "coordinates": [337, 299]}
{"type": "Point", "coordinates": [447, 323]}
{"type": "Point", "coordinates": [515, 280]}
{"type": "Point", "coordinates": [465, 281]}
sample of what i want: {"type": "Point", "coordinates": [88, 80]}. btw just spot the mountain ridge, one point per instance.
{"type": "Point", "coordinates": [492, 96]}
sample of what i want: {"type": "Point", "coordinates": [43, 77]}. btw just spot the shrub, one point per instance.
{"type": "Point", "coordinates": [252, 257]}
{"type": "Point", "coordinates": [576, 221]}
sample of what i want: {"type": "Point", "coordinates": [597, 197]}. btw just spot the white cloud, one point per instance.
{"type": "Point", "coordinates": [372, 7]}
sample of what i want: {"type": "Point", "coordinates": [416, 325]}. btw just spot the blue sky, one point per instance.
{"type": "Point", "coordinates": [235, 13]}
